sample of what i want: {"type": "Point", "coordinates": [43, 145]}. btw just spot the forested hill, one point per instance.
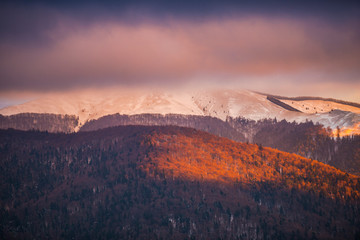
{"type": "Point", "coordinates": [139, 182]}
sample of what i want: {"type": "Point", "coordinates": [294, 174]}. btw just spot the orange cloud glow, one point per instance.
{"type": "Point", "coordinates": [119, 53]}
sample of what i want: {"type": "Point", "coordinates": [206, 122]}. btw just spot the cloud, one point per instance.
{"type": "Point", "coordinates": [269, 46]}
{"type": "Point", "coordinates": [29, 21]}
{"type": "Point", "coordinates": [111, 52]}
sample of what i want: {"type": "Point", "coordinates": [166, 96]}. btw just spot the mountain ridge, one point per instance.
{"type": "Point", "coordinates": [304, 98]}
{"type": "Point", "coordinates": [90, 105]}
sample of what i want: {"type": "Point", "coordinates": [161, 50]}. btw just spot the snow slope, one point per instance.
{"type": "Point", "coordinates": [320, 106]}
{"type": "Point", "coordinates": [92, 104]}
{"type": "Point", "coordinates": [221, 103]}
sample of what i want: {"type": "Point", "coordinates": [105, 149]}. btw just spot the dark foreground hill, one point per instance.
{"type": "Point", "coordinates": [140, 182]}
{"type": "Point", "coordinates": [306, 139]}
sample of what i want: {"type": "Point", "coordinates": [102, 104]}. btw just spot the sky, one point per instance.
{"type": "Point", "coordinates": [291, 48]}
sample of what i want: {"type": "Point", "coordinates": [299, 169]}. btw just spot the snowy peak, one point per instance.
{"type": "Point", "coordinates": [93, 104]}
{"type": "Point", "coordinates": [235, 103]}
{"type": "Point", "coordinates": [220, 103]}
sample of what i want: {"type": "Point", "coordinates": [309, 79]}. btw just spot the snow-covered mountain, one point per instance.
{"type": "Point", "coordinates": [92, 104]}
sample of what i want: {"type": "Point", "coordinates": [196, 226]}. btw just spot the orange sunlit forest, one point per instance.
{"type": "Point", "coordinates": [203, 157]}
{"type": "Point", "coordinates": [168, 183]}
